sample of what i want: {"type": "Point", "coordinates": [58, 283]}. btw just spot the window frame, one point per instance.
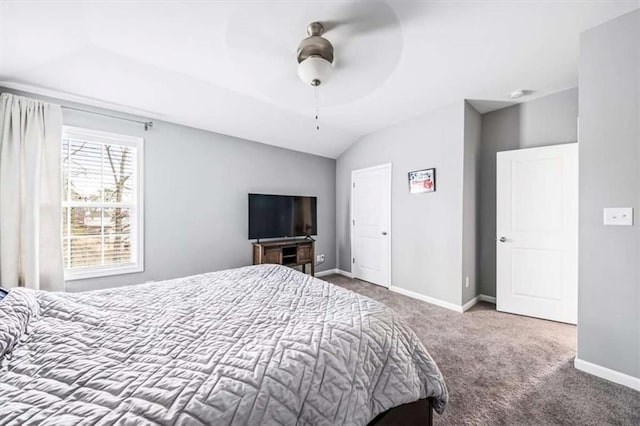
{"type": "Point", "coordinates": [71, 132]}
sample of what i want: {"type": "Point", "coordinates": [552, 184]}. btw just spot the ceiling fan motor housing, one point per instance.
{"type": "Point", "coordinates": [315, 49]}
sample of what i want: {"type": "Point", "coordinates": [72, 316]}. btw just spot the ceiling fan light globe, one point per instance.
{"type": "Point", "coordinates": [315, 71]}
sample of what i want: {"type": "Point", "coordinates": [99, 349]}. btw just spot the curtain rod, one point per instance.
{"type": "Point", "coordinates": [147, 124]}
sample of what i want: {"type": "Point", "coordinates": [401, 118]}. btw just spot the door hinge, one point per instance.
{"type": "Point", "coordinates": [354, 260]}
{"type": "Point", "coordinates": [354, 222]}
{"type": "Point", "coordinates": [354, 184]}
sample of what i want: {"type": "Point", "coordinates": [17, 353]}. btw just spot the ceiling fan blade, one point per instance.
{"type": "Point", "coordinates": [362, 18]}
{"type": "Point", "coordinates": [261, 42]}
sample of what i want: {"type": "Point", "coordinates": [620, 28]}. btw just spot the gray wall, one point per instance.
{"type": "Point", "coordinates": [426, 228]}
{"type": "Point", "coordinates": [609, 271]}
{"type": "Point", "coordinates": [471, 203]}
{"type": "Point", "coordinates": [550, 120]}
{"type": "Point", "coordinates": [196, 185]}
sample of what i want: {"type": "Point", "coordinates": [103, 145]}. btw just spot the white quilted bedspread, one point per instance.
{"type": "Point", "coordinates": [259, 345]}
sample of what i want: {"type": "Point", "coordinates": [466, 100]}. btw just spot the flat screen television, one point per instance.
{"type": "Point", "coordinates": [281, 216]}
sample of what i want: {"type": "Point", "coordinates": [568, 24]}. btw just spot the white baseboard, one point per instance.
{"type": "Point", "coordinates": [442, 303]}
{"type": "Point", "coordinates": [418, 296]}
{"type": "Point", "coordinates": [488, 299]}
{"type": "Point", "coordinates": [333, 271]}
{"type": "Point", "coordinates": [607, 374]}
{"type": "Point", "coordinates": [432, 300]}
{"type": "Point", "coordinates": [470, 304]}
{"type": "Point", "coordinates": [344, 273]}
{"type": "Point", "coordinates": [478, 298]}
{"type": "Point", "coordinates": [325, 273]}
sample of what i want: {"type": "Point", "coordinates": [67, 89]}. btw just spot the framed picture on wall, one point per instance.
{"type": "Point", "coordinates": [422, 181]}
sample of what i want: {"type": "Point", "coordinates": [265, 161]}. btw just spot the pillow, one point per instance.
{"type": "Point", "coordinates": [17, 309]}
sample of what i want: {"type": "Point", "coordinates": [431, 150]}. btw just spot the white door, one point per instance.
{"type": "Point", "coordinates": [371, 224]}
{"type": "Point", "coordinates": [537, 232]}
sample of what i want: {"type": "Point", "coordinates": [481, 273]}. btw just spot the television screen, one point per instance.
{"type": "Point", "coordinates": [280, 216]}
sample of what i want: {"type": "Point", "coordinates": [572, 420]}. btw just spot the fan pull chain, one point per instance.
{"type": "Point", "coordinates": [317, 88]}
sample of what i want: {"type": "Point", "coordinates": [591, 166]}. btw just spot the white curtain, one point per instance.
{"type": "Point", "coordinates": [30, 194]}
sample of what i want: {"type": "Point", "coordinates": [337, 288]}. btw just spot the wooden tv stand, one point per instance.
{"type": "Point", "coordinates": [298, 252]}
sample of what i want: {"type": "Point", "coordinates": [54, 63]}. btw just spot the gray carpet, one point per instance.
{"type": "Point", "coordinates": [507, 369]}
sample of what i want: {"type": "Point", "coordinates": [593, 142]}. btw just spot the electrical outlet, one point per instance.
{"type": "Point", "coordinates": [618, 216]}
{"type": "Point", "coordinates": [320, 259]}
{"type": "Point", "coordinates": [466, 282]}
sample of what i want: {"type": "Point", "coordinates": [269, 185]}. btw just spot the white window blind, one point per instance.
{"type": "Point", "coordinates": [101, 203]}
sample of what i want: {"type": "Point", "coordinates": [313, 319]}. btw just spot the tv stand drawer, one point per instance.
{"type": "Point", "coordinates": [304, 254]}
{"type": "Point", "coordinates": [273, 256]}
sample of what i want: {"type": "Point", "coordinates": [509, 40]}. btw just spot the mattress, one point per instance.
{"type": "Point", "coordinates": [256, 345]}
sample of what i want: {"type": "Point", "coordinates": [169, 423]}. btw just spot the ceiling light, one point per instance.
{"type": "Point", "coordinates": [517, 94]}
{"type": "Point", "coordinates": [315, 70]}
{"type": "Point", "coordinates": [315, 56]}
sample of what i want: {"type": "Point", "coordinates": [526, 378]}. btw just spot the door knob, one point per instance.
{"type": "Point", "coordinates": [502, 240]}
{"type": "Point", "coordinates": [384, 232]}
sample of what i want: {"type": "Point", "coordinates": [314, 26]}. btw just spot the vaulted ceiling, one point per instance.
{"type": "Point", "coordinates": [230, 67]}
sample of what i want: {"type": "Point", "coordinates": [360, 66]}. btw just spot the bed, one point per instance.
{"type": "Point", "coordinates": [256, 345]}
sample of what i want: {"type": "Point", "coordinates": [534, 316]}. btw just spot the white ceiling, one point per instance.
{"type": "Point", "coordinates": [230, 67]}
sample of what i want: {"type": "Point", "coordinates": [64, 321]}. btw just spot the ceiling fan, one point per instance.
{"type": "Point", "coordinates": [348, 49]}
{"type": "Point", "coordinates": [315, 53]}
{"type": "Point", "coordinates": [315, 56]}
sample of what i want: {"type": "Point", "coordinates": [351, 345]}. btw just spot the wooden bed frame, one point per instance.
{"type": "Point", "coordinates": [414, 413]}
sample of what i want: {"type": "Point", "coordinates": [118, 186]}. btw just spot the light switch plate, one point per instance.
{"type": "Point", "coordinates": [619, 216]}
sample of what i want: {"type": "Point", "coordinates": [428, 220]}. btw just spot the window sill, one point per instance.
{"type": "Point", "coordinates": [81, 274]}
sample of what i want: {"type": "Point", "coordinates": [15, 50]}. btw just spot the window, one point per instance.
{"type": "Point", "coordinates": [102, 206]}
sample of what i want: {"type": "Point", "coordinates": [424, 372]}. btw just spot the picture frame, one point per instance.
{"type": "Point", "coordinates": [421, 181]}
